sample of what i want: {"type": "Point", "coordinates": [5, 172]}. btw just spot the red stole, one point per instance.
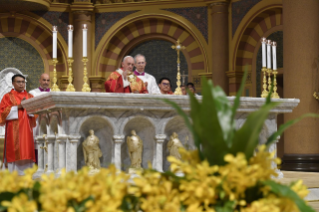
{"type": "Point", "coordinates": [19, 143]}
{"type": "Point", "coordinates": [114, 84]}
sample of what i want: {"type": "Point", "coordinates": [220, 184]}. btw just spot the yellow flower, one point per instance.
{"type": "Point", "coordinates": [20, 203]}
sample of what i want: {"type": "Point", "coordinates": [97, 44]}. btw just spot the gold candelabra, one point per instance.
{"type": "Point", "coordinates": [264, 93]}
{"type": "Point", "coordinates": [55, 87]}
{"type": "Point", "coordinates": [269, 71]}
{"type": "Point", "coordinates": [275, 95]}
{"type": "Point", "coordinates": [178, 48]}
{"type": "Point", "coordinates": [86, 87]}
{"type": "Point", "coordinates": [70, 87]}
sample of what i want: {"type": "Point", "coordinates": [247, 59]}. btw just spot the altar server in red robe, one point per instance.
{"type": "Point", "coordinates": [123, 80]}
{"type": "Point", "coordinates": [18, 145]}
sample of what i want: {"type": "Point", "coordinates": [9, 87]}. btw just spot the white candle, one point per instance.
{"type": "Point", "coordinates": [54, 41]}
{"type": "Point", "coordinates": [269, 54]}
{"type": "Point", "coordinates": [70, 41]}
{"type": "Point", "coordinates": [85, 42]}
{"type": "Point", "coordinates": [263, 47]}
{"type": "Point", "coordinates": [274, 56]}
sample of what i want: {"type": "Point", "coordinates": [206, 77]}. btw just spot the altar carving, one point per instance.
{"type": "Point", "coordinates": [92, 152]}
{"type": "Point", "coordinates": [135, 148]}
{"type": "Point", "coordinates": [174, 144]}
{"type": "Point", "coordinates": [114, 116]}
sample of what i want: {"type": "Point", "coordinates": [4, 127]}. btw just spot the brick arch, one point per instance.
{"type": "Point", "coordinates": [112, 52]}
{"type": "Point", "coordinates": [262, 23]}
{"type": "Point", "coordinates": [251, 36]}
{"type": "Point", "coordinates": [35, 33]}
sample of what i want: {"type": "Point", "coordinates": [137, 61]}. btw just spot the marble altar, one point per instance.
{"type": "Point", "coordinates": [67, 117]}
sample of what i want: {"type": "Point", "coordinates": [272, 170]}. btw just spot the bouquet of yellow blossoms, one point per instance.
{"type": "Point", "coordinates": [228, 172]}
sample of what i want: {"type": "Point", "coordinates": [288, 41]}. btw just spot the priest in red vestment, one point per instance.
{"type": "Point", "coordinates": [123, 80]}
{"type": "Point", "coordinates": [18, 145]}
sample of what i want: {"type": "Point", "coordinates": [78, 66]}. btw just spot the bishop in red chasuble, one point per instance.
{"type": "Point", "coordinates": [19, 144]}
{"type": "Point", "coordinates": [123, 80]}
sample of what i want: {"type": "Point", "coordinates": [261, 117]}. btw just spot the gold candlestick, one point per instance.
{"type": "Point", "coordinates": [264, 94]}
{"type": "Point", "coordinates": [86, 87]}
{"type": "Point", "coordinates": [269, 71]}
{"type": "Point", "coordinates": [55, 87]}
{"type": "Point", "coordinates": [70, 87]}
{"type": "Point", "coordinates": [275, 95]}
{"type": "Point", "coordinates": [178, 48]}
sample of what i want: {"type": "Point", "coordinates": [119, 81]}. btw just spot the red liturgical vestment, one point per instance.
{"type": "Point", "coordinates": [115, 84]}
{"type": "Point", "coordinates": [19, 144]}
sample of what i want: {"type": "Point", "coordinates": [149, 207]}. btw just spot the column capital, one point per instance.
{"type": "Point", "coordinates": [118, 138]}
{"type": "Point", "coordinates": [160, 138]}
{"type": "Point", "coordinates": [51, 138]}
{"type": "Point", "coordinates": [61, 138]}
{"type": "Point", "coordinates": [74, 138]}
{"type": "Point", "coordinates": [214, 3]}
{"type": "Point", "coordinates": [40, 139]}
{"type": "Point", "coordinates": [82, 7]}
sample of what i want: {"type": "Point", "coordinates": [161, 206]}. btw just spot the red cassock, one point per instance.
{"type": "Point", "coordinates": [114, 84]}
{"type": "Point", "coordinates": [19, 143]}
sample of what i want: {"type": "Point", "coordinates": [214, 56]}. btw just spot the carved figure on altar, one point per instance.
{"type": "Point", "coordinates": [92, 152]}
{"type": "Point", "coordinates": [135, 149]}
{"type": "Point", "coordinates": [174, 144]}
{"type": "Point", "coordinates": [121, 80]}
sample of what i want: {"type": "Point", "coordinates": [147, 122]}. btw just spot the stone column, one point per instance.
{"type": "Point", "coordinates": [117, 160]}
{"type": "Point", "coordinates": [61, 141]}
{"type": "Point", "coordinates": [51, 141]}
{"type": "Point", "coordinates": [71, 153]}
{"type": "Point", "coordinates": [160, 138]}
{"type": "Point", "coordinates": [41, 165]}
{"type": "Point", "coordinates": [301, 50]}
{"type": "Point", "coordinates": [82, 14]}
{"type": "Point", "coordinates": [219, 43]}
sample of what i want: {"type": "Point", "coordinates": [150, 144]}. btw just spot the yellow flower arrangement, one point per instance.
{"type": "Point", "coordinates": [224, 174]}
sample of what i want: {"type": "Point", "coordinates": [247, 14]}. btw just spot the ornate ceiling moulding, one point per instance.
{"type": "Point", "coordinates": [25, 5]}
{"type": "Point", "coordinates": [82, 6]}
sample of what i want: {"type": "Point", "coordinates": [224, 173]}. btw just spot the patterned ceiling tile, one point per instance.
{"type": "Point", "coordinates": [197, 15]}
{"type": "Point", "coordinates": [104, 21]}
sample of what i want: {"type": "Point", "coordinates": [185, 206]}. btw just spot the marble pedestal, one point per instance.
{"type": "Point", "coordinates": [67, 117]}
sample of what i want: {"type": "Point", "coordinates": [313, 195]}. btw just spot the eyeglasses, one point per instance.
{"type": "Point", "coordinates": [20, 82]}
{"type": "Point", "coordinates": [165, 84]}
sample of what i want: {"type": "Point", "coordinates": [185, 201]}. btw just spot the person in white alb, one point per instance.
{"type": "Point", "coordinates": [149, 80]}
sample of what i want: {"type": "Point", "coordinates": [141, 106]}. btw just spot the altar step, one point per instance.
{"type": "Point", "coordinates": [310, 179]}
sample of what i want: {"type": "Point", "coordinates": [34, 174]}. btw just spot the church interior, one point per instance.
{"type": "Point", "coordinates": [222, 40]}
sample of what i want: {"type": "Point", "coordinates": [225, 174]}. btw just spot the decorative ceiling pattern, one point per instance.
{"type": "Point", "coordinates": [104, 21]}
{"type": "Point", "coordinates": [239, 10]}
{"type": "Point", "coordinates": [22, 5]}
{"type": "Point", "coordinates": [197, 15]}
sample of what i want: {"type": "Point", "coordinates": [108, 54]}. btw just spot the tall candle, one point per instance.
{"type": "Point", "coordinates": [85, 42]}
{"type": "Point", "coordinates": [54, 41]}
{"type": "Point", "coordinates": [268, 54]}
{"type": "Point", "coordinates": [274, 56]}
{"type": "Point", "coordinates": [70, 41]}
{"type": "Point", "coordinates": [263, 47]}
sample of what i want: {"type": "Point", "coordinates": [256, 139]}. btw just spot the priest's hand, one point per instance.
{"type": "Point", "coordinates": [146, 83]}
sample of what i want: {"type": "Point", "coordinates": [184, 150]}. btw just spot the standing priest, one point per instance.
{"type": "Point", "coordinates": [123, 80]}
{"type": "Point", "coordinates": [149, 80]}
{"type": "Point", "coordinates": [18, 145]}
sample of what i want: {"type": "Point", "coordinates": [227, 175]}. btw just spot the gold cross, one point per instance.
{"type": "Point", "coordinates": [178, 47]}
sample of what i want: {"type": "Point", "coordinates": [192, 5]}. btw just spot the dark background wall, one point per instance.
{"type": "Point", "coordinates": [161, 59]}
